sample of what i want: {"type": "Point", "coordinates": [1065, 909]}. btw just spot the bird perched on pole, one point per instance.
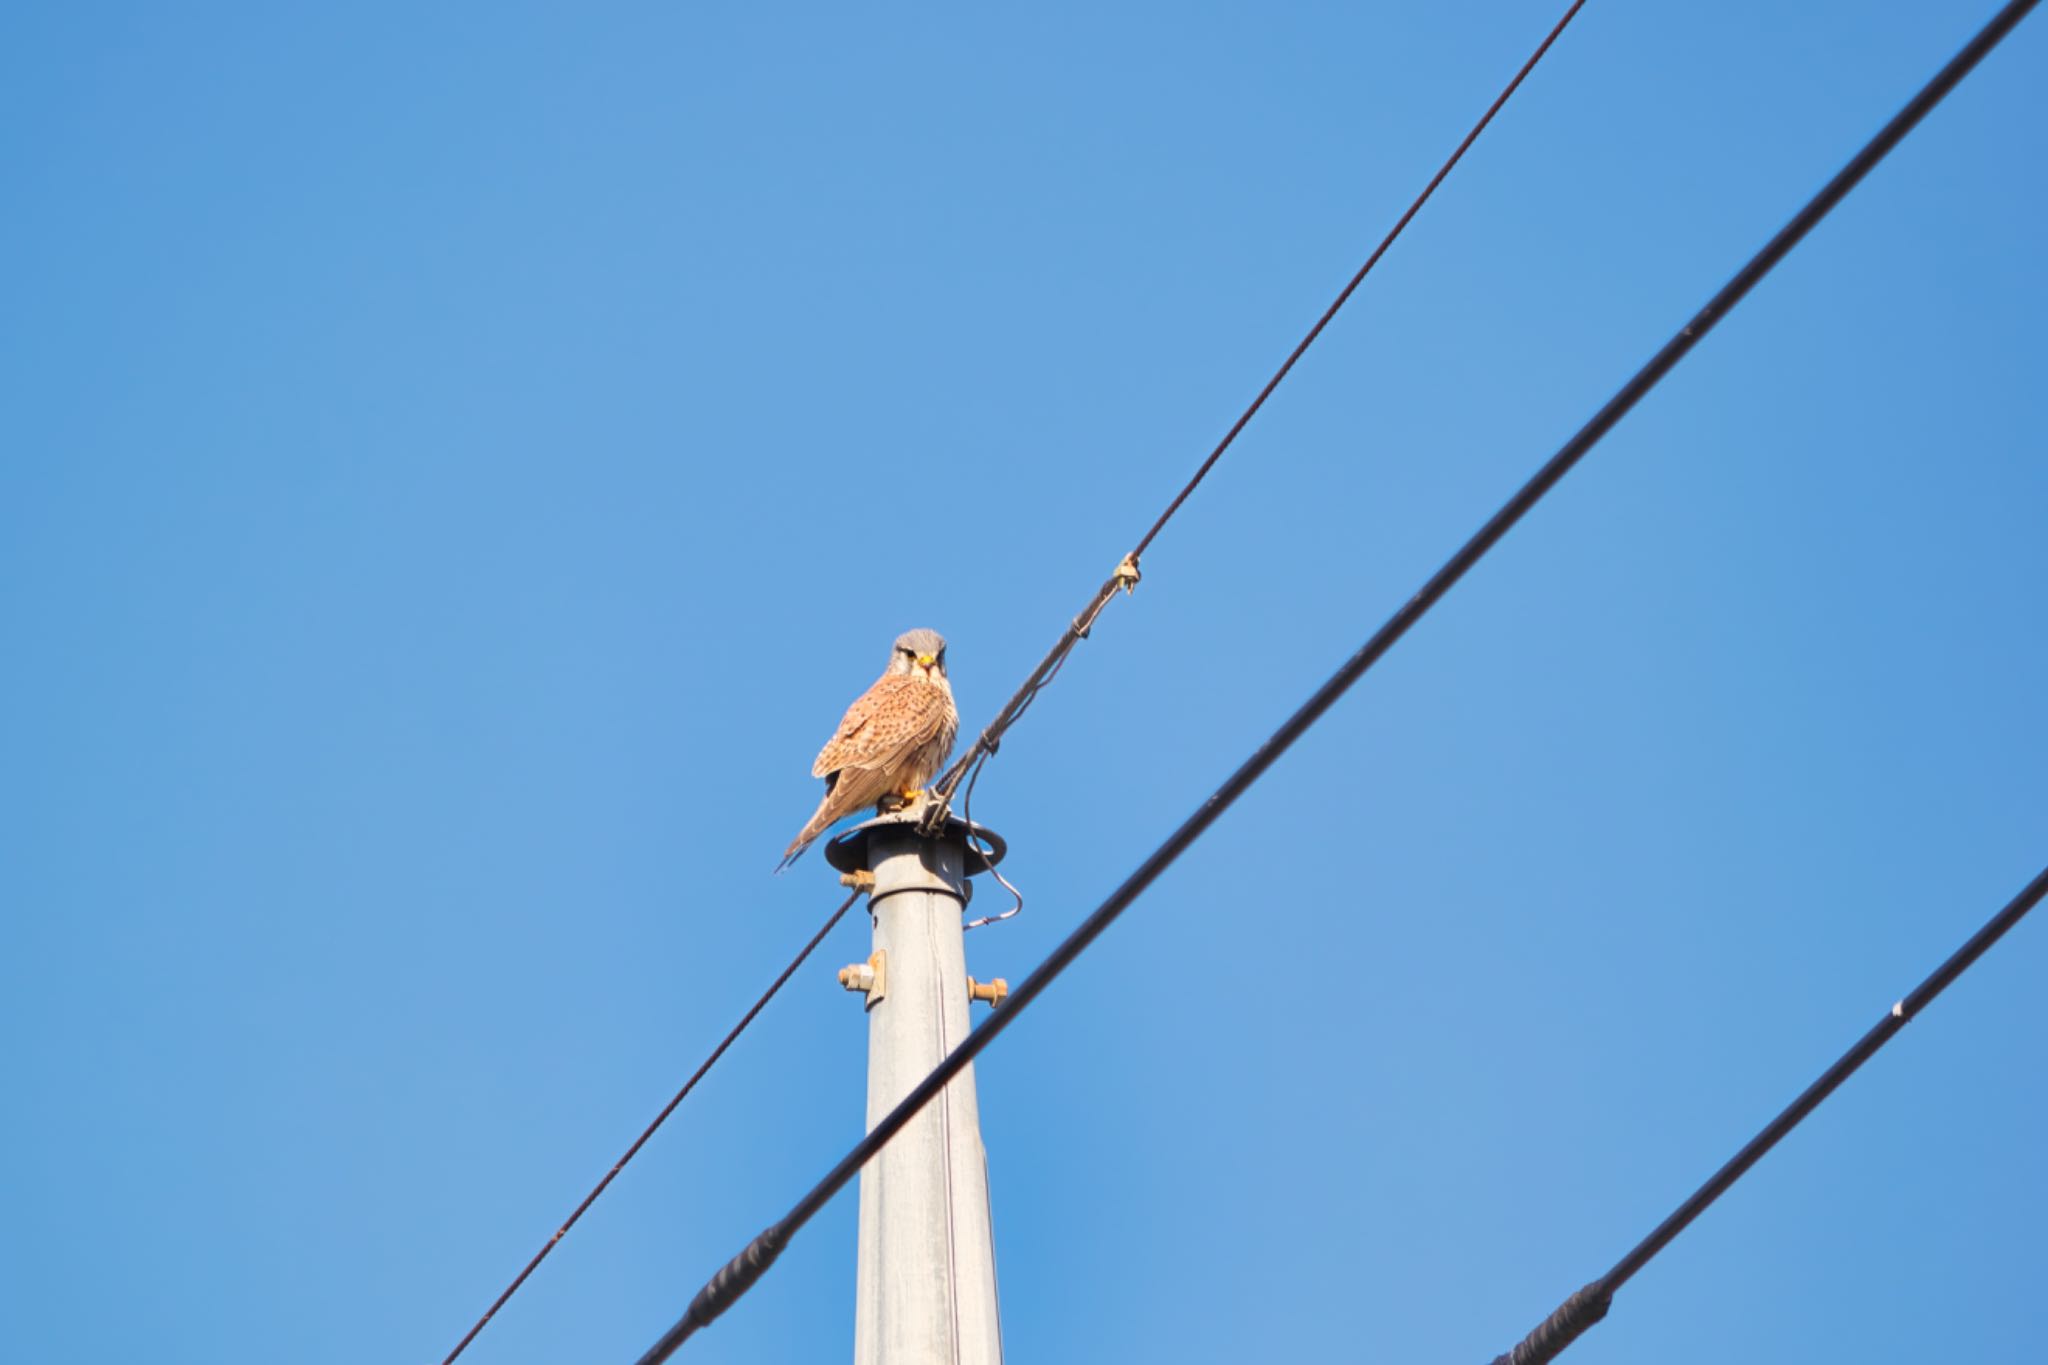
{"type": "Point", "coordinates": [890, 742]}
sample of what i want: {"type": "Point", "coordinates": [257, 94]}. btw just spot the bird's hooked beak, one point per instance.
{"type": "Point", "coordinates": [925, 661]}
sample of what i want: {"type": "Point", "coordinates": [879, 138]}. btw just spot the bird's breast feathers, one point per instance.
{"type": "Point", "coordinates": [896, 716]}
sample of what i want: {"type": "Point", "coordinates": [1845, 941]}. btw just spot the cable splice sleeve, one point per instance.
{"type": "Point", "coordinates": [722, 1291]}
{"type": "Point", "coordinates": [1562, 1328]}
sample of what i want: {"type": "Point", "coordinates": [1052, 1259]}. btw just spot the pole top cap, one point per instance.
{"type": "Point", "coordinates": [849, 851]}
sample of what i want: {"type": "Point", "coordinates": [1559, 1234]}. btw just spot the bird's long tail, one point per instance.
{"type": "Point", "coordinates": [816, 825]}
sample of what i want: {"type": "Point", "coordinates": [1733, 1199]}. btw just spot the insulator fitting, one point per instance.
{"type": "Point", "coordinates": [995, 992]}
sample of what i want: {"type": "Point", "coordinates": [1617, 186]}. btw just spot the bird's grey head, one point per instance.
{"type": "Point", "coordinates": [919, 652]}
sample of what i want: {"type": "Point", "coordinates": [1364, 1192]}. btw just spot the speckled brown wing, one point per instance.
{"type": "Point", "coordinates": [885, 726]}
{"type": "Point", "coordinates": [898, 732]}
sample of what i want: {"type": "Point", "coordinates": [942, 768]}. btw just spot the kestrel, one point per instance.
{"type": "Point", "coordinates": [891, 741]}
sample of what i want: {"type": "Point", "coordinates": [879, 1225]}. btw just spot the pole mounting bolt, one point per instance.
{"type": "Point", "coordinates": [870, 977]}
{"type": "Point", "coordinates": [995, 992]}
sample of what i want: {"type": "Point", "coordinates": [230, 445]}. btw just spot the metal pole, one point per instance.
{"type": "Point", "coordinates": [926, 1291]}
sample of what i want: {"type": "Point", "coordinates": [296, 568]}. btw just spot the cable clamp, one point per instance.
{"type": "Point", "coordinates": [860, 879]}
{"type": "Point", "coordinates": [938, 805]}
{"type": "Point", "coordinates": [1126, 577]}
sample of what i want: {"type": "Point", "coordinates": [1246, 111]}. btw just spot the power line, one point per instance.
{"type": "Point", "coordinates": [745, 1269]}
{"type": "Point", "coordinates": [1589, 1304]}
{"type": "Point", "coordinates": [659, 1119]}
{"type": "Point", "coordinates": [1126, 574]}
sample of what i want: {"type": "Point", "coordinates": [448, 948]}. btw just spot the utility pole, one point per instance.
{"type": "Point", "coordinates": [926, 1292]}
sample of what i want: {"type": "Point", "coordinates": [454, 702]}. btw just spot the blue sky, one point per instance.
{"type": "Point", "coordinates": [456, 464]}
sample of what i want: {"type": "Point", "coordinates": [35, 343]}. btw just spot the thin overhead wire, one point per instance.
{"type": "Point", "coordinates": [1589, 1304]}
{"type": "Point", "coordinates": [986, 743]}
{"type": "Point", "coordinates": [745, 1269]}
{"type": "Point", "coordinates": [659, 1119]}
{"type": "Point", "coordinates": [1126, 574]}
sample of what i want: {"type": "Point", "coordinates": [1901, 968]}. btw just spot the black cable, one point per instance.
{"type": "Point", "coordinates": [648, 1132]}
{"type": "Point", "coordinates": [986, 743]}
{"type": "Point", "coordinates": [741, 1273]}
{"type": "Point", "coordinates": [1126, 575]}
{"type": "Point", "coordinates": [1589, 1304]}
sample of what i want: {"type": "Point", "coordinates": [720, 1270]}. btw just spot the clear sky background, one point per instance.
{"type": "Point", "coordinates": [457, 462]}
